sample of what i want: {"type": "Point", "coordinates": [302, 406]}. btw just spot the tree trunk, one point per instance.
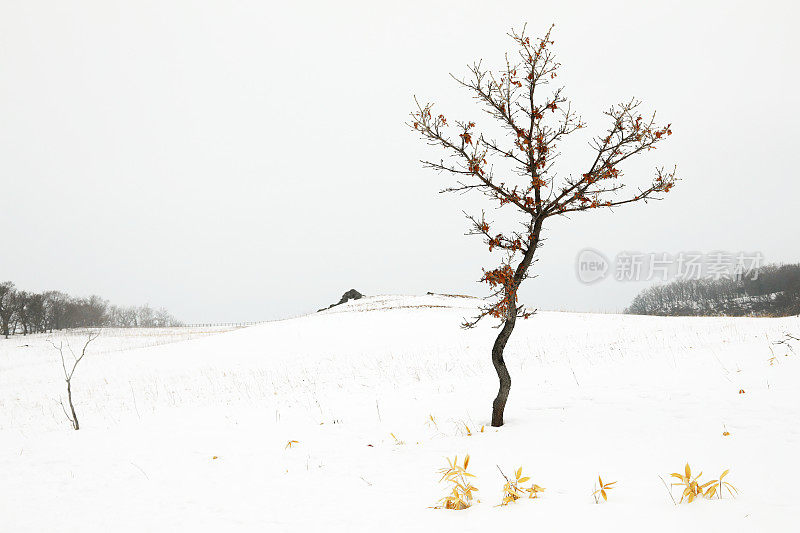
{"type": "Point", "coordinates": [72, 407]}
{"type": "Point", "coordinates": [499, 405]}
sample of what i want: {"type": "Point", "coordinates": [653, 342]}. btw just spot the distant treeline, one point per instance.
{"type": "Point", "coordinates": [774, 291]}
{"type": "Point", "coordinates": [23, 312]}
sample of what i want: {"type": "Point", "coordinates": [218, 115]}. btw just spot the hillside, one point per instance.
{"type": "Point", "coordinates": [187, 430]}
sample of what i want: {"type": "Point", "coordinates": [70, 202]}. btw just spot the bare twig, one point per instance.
{"type": "Point", "coordinates": [668, 490]}
{"type": "Point", "coordinates": [73, 418]}
{"type": "Point", "coordinates": [501, 473]}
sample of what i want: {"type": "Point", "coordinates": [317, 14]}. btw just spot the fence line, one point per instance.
{"type": "Point", "coordinates": [221, 324]}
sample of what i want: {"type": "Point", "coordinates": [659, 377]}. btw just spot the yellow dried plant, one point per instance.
{"type": "Point", "coordinates": [461, 490]}
{"type": "Point", "coordinates": [513, 490]}
{"type": "Point", "coordinates": [693, 488]}
{"type": "Point", "coordinates": [603, 490]}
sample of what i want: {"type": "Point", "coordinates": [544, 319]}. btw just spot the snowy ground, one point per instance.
{"type": "Point", "coordinates": [187, 430]}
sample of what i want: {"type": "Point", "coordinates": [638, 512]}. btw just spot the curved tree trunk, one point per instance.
{"type": "Point", "coordinates": [499, 405]}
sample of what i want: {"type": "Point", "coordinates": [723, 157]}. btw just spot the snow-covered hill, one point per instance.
{"type": "Point", "coordinates": [192, 434]}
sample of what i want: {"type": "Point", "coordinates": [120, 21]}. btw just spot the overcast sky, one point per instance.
{"type": "Point", "coordinates": [249, 160]}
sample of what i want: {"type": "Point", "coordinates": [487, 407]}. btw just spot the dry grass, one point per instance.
{"type": "Point", "coordinates": [461, 490]}
{"type": "Point", "coordinates": [603, 490]}
{"type": "Point", "coordinates": [513, 490]}
{"type": "Point", "coordinates": [693, 488]}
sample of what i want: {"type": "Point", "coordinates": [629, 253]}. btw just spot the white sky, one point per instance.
{"type": "Point", "coordinates": [248, 160]}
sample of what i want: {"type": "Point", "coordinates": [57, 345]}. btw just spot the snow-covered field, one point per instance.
{"type": "Point", "coordinates": [187, 430]}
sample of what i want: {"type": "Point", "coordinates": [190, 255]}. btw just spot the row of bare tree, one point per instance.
{"type": "Point", "coordinates": [23, 312]}
{"type": "Point", "coordinates": [775, 291]}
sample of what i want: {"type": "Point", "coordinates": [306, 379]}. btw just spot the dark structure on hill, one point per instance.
{"type": "Point", "coordinates": [352, 294]}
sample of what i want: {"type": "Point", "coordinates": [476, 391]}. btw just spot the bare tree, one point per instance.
{"type": "Point", "coordinates": [71, 372]}
{"type": "Point", "coordinates": [128, 317]}
{"type": "Point", "coordinates": [36, 313]}
{"type": "Point", "coordinates": [7, 305]}
{"type": "Point", "coordinates": [21, 311]}
{"type": "Point", "coordinates": [53, 310]}
{"type": "Point", "coordinates": [163, 319]}
{"type": "Point", "coordinates": [144, 316]}
{"type": "Point", "coordinates": [55, 303]}
{"type": "Point", "coordinates": [518, 175]}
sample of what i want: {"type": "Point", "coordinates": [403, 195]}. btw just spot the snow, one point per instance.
{"type": "Point", "coordinates": [630, 398]}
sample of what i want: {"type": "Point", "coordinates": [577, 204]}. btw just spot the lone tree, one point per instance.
{"type": "Point", "coordinates": [518, 174]}
{"type": "Point", "coordinates": [68, 373]}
